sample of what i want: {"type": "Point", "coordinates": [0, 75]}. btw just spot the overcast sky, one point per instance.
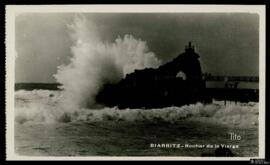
{"type": "Point", "coordinates": [228, 44]}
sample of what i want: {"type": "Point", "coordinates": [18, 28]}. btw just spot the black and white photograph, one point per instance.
{"type": "Point", "coordinates": [141, 82]}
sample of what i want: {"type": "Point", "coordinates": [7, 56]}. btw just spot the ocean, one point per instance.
{"type": "Point", "coordinates": [44, 128]}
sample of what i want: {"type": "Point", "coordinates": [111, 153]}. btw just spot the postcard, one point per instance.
{"type": "Point", "coordinates": [135, 82]}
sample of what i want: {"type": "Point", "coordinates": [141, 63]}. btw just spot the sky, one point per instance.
{"type": "Point", "coordinates": [228, 44]}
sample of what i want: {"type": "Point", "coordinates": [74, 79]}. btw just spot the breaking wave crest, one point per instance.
{"type": "Point", "coordinates": [96, 61]}
{"type": "Point", "coordinates": [43, 106]}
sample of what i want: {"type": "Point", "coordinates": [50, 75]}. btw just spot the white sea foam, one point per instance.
{"type": "Point", "coordinates": [95, 62]}
{"type": "Point", "coordinates": [43, 106]}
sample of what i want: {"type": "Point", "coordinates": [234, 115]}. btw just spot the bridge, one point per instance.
{"type": "Point", "coordinates": [233, 88]}
{"type": "Point", "coordinates": [208, 77]}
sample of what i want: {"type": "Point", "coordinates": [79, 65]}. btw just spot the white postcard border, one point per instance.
{"type": "Point", "coordinates": [13, 10]}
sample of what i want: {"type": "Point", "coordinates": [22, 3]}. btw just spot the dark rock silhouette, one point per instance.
{"type": "Point", "coordinates": [220, 152]}
{"type": "Point", "coordinates": [175, 83]}
{"type": "Point", "coordinates": [223, 152]}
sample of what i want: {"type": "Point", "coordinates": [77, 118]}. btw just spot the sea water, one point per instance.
{"type": "Point", "coordinates": [43, 127]}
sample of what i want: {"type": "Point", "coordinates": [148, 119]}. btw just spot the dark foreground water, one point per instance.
{"type": "Point", "coordinates": [127, 139]}
{"type": "Point", "coordinates": [41, 129]}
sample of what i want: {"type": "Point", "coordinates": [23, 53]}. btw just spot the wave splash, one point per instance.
{"type": "Point", "coordinates": [95, 62]}
{"type": "Point", "coordinates": [43, 106]}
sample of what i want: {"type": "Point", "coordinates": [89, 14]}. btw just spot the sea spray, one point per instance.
{"type": "Point", "coordinates": [38, 106]}
{"type": "Point", "coordinates": [95, 62]}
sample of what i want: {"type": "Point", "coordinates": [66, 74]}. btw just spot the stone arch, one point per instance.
{"type": "Point", "coordinates": [181, 75]}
